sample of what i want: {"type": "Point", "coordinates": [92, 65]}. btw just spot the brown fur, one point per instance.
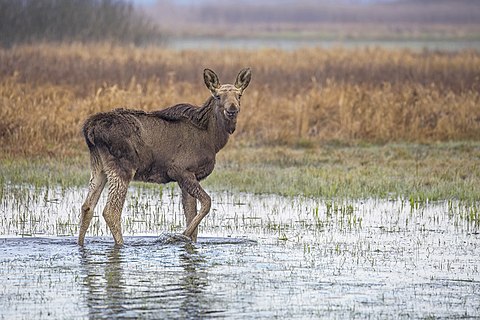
{"type": "Point", "coordinates": [175, 144]}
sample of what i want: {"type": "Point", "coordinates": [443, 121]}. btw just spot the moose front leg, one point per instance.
{"type": "Point", "coordinates": [189, 185]}
{"type": "Point", "coordinates": [190, 210]}
{"type": "Point", "coordinates": [205, 203]}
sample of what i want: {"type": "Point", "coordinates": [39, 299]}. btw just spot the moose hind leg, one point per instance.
{"type": "Point", "coordinates": [190, 210]}
{"type": "Point", "coordinates": [117, 191]}
{"type": "Point", "coordinates": [96, 185]}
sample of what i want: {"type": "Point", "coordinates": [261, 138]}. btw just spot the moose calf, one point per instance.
{"type": "Point", "coordinates": [175, 144]}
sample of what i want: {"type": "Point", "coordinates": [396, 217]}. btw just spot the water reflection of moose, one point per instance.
{"type": "Point", "coordinates": [175, 144]}
{"type": "Point", "coordinates": [114, 284]}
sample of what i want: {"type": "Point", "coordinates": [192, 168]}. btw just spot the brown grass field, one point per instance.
{"type": "Point", "coordinates": [297, 98]}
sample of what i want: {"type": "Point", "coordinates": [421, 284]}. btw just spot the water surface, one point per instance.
{"type": "Point", "coordinates": [258, 256]}
{"type": "Point", "coordinates": [298, 43]}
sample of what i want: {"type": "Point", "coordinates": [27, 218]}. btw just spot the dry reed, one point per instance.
{"type": "Point", "coordinates": [300, 97]}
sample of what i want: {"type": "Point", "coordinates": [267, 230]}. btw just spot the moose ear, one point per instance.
{"type": "Point", "coordinates": [211, 80]}
{"type": "Point", "coordinates": [243, 78]}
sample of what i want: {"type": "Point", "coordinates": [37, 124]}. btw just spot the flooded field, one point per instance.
{"type": "Point", "coordinates": [252, 43]}
{"type": "Point", "coordinates": [258, 256]}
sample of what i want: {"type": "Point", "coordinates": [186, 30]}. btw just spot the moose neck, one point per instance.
{"type": "Point", "coordinates": [219, 127]}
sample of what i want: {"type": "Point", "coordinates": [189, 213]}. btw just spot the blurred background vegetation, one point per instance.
{"type": "Point", "coordinates": [352, 97]}
{"type": "Point", "coordinates": [63, 60]}
{"type": "Point", "coordinates": [305, 97]}
{"type": "Point", "coordinates": [153, 21]}
{"type": "Point", "coordinates": [74, 20]}
{"type": "Point", "coordinates": [325, 19]}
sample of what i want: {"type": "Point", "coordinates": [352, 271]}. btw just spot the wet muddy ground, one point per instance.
{"type": "Point", "coordinates": [258, 256]}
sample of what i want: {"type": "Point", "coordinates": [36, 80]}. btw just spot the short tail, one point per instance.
{"type": "Point", "coordinates": [88, 133]}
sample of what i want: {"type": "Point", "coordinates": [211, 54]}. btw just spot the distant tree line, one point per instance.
{"type": "Point", "coordinates": [73, 20]}
{"type": "Point", "coordinates": [417, 19]}
{"type": "Point", "coordinates": [307, 11]}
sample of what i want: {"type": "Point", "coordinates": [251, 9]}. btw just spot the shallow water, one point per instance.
{"type": "Point", "coordinates": [257, 257]}
{"type": "Point", "coordinates": [298, 43]}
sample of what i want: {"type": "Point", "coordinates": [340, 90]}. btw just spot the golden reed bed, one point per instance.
{"type": "Point", "coordinates": [302, 97]}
